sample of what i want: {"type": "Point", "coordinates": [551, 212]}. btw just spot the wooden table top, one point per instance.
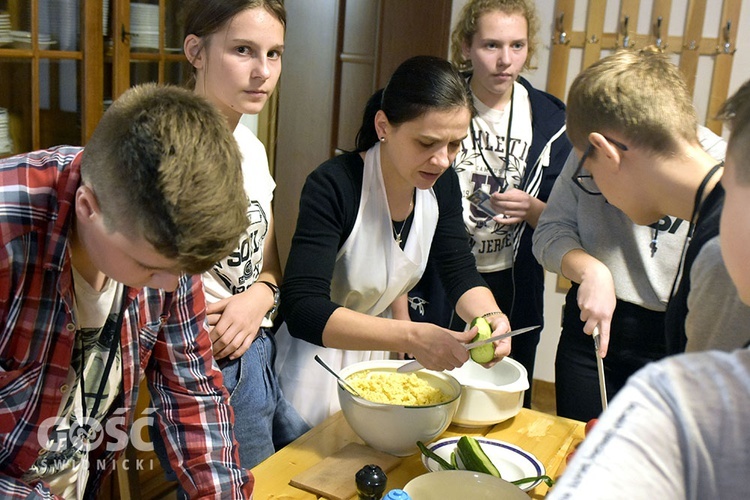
{"type": "Point", "coordinates": [548, 437]}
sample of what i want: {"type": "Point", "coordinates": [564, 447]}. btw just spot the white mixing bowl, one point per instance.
{"type": "Point", "coordinates": [395, 429]}
{"type": "Point", "coordinates": [490, 395]}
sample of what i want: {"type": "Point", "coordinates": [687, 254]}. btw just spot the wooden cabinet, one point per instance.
{"type": "Point", "coordinates": [63, 61]}
{"type": "Point", "coordinates": [338, 52]}
{"type": "Point", "coordinates": [374, 37]}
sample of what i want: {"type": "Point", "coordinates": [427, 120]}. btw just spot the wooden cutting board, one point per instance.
{"type": "Point", "coordinates": [333, 477]}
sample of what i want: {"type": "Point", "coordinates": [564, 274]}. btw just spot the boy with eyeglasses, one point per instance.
{"type": "Point", "coordinates": [637, 100]}
{"type": "Point", "coordinates": [679, 428]}
{"type": "Point", "coordinates": [633, 107]}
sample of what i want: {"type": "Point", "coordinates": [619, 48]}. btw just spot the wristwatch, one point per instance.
{"type": "Point", "coordinates": [276, 297]}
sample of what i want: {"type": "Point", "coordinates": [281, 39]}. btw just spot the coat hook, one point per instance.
{"type": "Point", "coordinates": [659, 41]}
{"type": "Point", "coordinates": [626, 33]}
{"type": "Point", "coordinates": [727, 31]}
{"type": "Point", "coordinates": [562, 36]}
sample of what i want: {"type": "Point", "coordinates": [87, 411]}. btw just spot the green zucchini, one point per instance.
{"type": "Point", "coordinates": [545, 478]}
{"type": "Point", "coordinates": [484, 353]}
{"type": "Point", "coordinates": [473, 457]}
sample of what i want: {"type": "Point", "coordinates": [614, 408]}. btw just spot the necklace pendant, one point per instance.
{"type": "Point", "coordinates": [397, 234]}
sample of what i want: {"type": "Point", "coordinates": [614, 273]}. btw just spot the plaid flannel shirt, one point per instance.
{"type": "Point", "coordinates": [163, 338]}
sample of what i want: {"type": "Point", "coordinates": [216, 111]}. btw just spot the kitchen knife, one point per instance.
{"type": "Point", "coordinates": [600, 369]}
{"type": "Point", "coordinates": [416, 365]}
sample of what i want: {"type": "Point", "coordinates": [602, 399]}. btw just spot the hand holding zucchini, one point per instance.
{"type": "Point", "coordinates": [484, 353]}
{"type": "Point", "coordinates": [469, 455]}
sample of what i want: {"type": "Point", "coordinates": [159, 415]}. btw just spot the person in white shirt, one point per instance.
{"type": "Point", "coordinates": [235, 49]}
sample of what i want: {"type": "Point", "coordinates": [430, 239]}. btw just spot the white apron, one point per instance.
{"type": "Point", "coordinates": [371, 271]}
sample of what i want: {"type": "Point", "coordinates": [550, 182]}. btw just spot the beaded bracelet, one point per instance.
{"type": "Point", "coordinates": [493, 313]}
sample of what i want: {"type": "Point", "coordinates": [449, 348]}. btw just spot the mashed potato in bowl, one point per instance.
{"type": "Point", "coordinates": [407, 389]}
{"type": "Point", "coordinates": [395, 428]}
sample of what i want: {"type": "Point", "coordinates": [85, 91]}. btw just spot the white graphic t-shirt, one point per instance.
{"type": "Point", "coordinates": [235, 273]}
{"type": "Point", "coordinates": [64, 466]}
{"type": "Point", "coordinates": [486, 147]}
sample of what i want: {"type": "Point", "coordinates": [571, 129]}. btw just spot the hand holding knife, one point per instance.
{"type": "Point", "coordinates": [600, 369]}
{"type": "Point", "coordinates": [416, 365]}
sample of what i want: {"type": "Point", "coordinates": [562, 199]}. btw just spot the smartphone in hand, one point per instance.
{"type": "Point", "coordinates": [481, 200]}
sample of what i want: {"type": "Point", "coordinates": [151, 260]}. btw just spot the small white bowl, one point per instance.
{"type": "Point", "coordinates": [395, 429]}
{"type": "Point", "coordinates": [490, 395]}
{"type": "Point", "coordinates": [461, 485]}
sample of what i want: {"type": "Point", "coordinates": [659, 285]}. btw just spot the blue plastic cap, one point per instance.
{"type": "Point", "coordinates": [397, 495]}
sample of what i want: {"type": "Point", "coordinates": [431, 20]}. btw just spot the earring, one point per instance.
{"type": "Point", "coordinates": [653, 240]}
{"type": "Point", "coordinates": [382, 139]}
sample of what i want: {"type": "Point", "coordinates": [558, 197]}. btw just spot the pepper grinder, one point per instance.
{"type": "Point", "coordinates": [371, 482]}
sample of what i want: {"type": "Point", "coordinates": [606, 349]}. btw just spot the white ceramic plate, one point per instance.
{"type": "Point", "coordinates": [513, 462]}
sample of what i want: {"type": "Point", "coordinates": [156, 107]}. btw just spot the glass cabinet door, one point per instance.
{"type": "Point", "coordinates": [144, 26]}
{"type": "Point", "coordinates": [59, 102]}
{"type": "Point", "coordinates": [59, 25]}
{"type": "Point", "coordinates": [173, 27]}
{"type": "Point", "coordinates": [40, 74]}
{"type": "Point", "coordinates": [15, 106]}
{"type": "Point", "coordinates": [62, 62]}
{"type": "Point", "coordinates": [147, 43]}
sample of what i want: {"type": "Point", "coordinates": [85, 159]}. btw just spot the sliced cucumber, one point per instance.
{"type": "Point", "coordinates": [472, 457]}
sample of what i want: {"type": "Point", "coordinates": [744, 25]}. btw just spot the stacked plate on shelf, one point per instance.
{"type": "Point", "coordinates": [5, 38]}
{"type": "Point", "coordinates": [144, 26]}
{"type": "Point", "coordinates": [22, 40]}
{"type": "Point", "coordinates": [5, 142]}
{"type": "Point", "coordinates": [105, 17]}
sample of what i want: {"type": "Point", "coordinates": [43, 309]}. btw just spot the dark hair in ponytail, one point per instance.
{"type": "Point", "coordinates": [420, 84]}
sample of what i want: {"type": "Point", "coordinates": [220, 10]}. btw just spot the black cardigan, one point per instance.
{"type": "Point", "coordinates": [328, 209]}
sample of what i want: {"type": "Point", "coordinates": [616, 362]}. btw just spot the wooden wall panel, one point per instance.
{"type": "Point", "coordinates": [560, 52]}
{"type": "Point", "coordinates": [691, 41]}
{"type": "Point", "coordinates": [409, 28]}
{"type": "Point", "coordinates": [628, 23]}
{"type": "Point", "coordinates": [594, 31]}
{"type": "Point", "coordinates": [724, 58]}
{"type": "Point", "coordinates": [355, 68]}
{"type": "Point", "coordinates": [690, 45]}
{"type": "Point", "coordinates": [306, 99]}
{"type": "Point", "coordinates": [661, 10]}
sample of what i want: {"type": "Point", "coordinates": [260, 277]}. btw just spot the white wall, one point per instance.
{"type": "Point", "coordinates": [544, 369]}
